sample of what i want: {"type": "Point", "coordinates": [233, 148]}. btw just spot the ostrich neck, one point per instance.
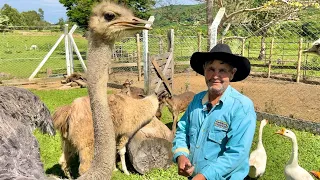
{"type": "Point", "coordinates": [294, 155]}
{"type": "Point", "coordinates": [260, 144]}
{"type": "Point", "coordinates": [99, 55]}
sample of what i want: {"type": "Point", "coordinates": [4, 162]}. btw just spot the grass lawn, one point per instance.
{"type": "Point", "coordinates": [278, 147]}
{"type": "Point", "coordinates": [17, 60]}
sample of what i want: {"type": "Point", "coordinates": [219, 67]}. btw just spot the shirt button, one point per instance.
{"type": "Point", "coordinates": [197, 147]}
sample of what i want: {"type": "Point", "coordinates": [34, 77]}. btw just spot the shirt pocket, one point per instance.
{"type": "Point", "coordinates": [215, 144]}
{"type": "Point", "coordinates": [217, 135]}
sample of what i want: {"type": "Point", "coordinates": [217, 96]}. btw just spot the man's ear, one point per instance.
{"type": "Point", "coordinates": [233, 72]}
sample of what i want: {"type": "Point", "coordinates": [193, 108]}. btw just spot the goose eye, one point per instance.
{"type": "Point", "coordinates": [109, 16]}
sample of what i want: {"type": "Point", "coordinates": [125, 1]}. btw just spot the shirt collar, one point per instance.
{"type": "Point", "coordinates": [223, 98]}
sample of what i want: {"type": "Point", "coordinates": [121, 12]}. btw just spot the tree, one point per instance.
{"type": "Point", "coordinates": [41, 14]}
{"type": "Point", "coordinates": [209, 19]}
{"type": "Point", "coordinates": [78, 11]}
{"type": "Point", "coordinates": [261, 14]}
{"type": "Point", "coordinates": [13, 15]}
{"type": "Point", "coordinates": [3, 20]}
{"type": "Point", "coordinates": [31, 18]}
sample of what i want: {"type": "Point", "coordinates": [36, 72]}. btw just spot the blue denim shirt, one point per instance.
{"type": "Point", "coordinates": [217, 142]}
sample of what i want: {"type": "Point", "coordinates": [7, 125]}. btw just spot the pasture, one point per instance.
{"type": "Point", "coordinates": [278, 148]}
{"type": "Point", "coordinates": [19, 60]}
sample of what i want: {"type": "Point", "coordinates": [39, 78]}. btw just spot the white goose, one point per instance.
{"type": "Point", "coordinates": [258, 157]}
{"type": "Point", "coordinates": [292, 170]}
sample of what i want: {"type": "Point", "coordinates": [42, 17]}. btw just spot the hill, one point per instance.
{"type": "Point", "coordinates": [193, 18]}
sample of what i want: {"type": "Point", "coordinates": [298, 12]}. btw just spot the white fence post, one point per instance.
{"type": "Point", "coordinates": [76, 47]}
{"type": "Point", "coordinates": [66, 47]}
{"type": "Point", "coordinates": [71, 53]}
{"type": "Point", "coordinates": [46, 58]}
{"type": "Point", "coordinates": [214, 27]}
{"type": "Point", "coordinates": [145, 57]}
{"type": "Point", "coordinates": [69, 46]}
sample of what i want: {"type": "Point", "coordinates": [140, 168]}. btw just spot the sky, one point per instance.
{"type": "Point", "coordinates": [53, 10]}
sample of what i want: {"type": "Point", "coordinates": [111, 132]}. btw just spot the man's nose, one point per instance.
{"type": "Point", "coordinates": [215, 74]}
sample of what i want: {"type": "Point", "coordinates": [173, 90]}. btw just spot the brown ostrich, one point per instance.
{"type": "Point", "coordinates": [108, 23]}
{"type": "Point", "coordinates": [75, 124]}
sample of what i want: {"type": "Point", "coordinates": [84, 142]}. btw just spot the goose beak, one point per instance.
{"type": "Point", "coordinates": [281, 132]}
{"type": "Point", "coordinates": [316, 174]}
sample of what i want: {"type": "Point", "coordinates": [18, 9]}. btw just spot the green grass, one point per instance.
{"type": "Point", "coordinates": [17, 60]}
{"type": "Point", "coordinates": [278, 147]}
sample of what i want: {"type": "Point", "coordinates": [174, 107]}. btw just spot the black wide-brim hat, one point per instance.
{"type": "Point", "coordinates": [222, 52]}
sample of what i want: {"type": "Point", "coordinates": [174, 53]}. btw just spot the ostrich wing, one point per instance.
{"type": "Point", "coordinates": [19, 152]}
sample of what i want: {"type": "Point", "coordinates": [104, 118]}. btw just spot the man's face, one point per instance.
{"type": "Point", "coordinates": [218, 76]}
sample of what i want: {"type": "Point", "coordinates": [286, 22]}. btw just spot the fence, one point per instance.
{"type": "Point", "coordinates": [274, 54]}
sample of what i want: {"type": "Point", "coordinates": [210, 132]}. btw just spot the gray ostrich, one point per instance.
{"type": "Point", "coordinates": [315, 48]}
{"type": "Point", "coordinates": [20, 112]}
{"type": "Point", "coordinates": [108, 23]}
{"type": "Point", "coordinates": [27, 108]}
{"type": "Point", "coordinates": [19, 151]}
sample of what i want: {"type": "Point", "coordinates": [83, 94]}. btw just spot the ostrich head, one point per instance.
{"type": "Point", "coordinates": [110, 21]}
{"type": "Point", "coordinates": [316, 174]}
{"type": "Point", "coordinates": [287, 133]}
{"type": "Point", "coordinates": [27, 108]}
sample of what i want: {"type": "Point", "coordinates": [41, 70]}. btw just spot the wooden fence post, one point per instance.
{"type": "Point", "coordinates": [299, 60]}
{"type": "Point", "coordinates": [171, 49]}
{"type": "Point", "coordinates": [199, 44]}
{"type": "Point", "coordinates": [270, 56]}
{"type": "Point", "coordinates": [199, 41]}
{"type": "Point", "coordinates": [160, 45]}
{"type": "Point", "coordinates": [139, 57]}
{"type": "Point", "coordinates": [249, 49]}
{"type": "Point", "coordinates": [243, 46]}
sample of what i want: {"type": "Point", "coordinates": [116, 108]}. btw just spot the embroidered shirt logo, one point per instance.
{"type": "Point", "coordinates": [221, 124]}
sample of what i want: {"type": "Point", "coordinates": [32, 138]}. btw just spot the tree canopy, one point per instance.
{"type": "Point", "coordinates": [78, 11]}
{"type": "Point", "coordinates": [11, 16]}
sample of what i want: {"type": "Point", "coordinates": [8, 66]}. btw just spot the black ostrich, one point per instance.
{"type": "Point", "coordinates": [21, 111]}
{"type": "Point", "coordinates": [25, 107]}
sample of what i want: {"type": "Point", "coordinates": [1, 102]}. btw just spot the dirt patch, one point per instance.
{"type": "Point", "coordinates": [297, 100]}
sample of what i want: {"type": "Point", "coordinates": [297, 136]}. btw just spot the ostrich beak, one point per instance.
{"type": "Point", "coordinates": [281, 132]}
{"type": "Point", "coordinates": [136, 24]}
{"type": "Point", "coordinates": [316, 174]}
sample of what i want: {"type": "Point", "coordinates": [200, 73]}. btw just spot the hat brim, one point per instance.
{"type": "Point", "coordinates": [241, 63]}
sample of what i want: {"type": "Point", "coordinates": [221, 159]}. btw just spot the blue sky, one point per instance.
{"type": "Point", "coordinates": [53, 10]}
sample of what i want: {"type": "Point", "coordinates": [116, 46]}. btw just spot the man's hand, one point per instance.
{"type": "Point", "coordinates": [199, 177]}
{"type": "Point", "coordinates": [184, 166]}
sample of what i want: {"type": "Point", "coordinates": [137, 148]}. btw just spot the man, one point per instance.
{"type": "Point", "coordinates": [214, 136]}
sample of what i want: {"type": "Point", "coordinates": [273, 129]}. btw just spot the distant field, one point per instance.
{"type": "Point", "coordinates": [18, 60]}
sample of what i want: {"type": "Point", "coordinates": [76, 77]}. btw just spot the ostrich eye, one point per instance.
{"type": "Point", "coordinates": [109, 16]}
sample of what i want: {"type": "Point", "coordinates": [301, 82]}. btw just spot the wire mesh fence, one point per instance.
{"type": "Point", "coordinates": [276, 55]}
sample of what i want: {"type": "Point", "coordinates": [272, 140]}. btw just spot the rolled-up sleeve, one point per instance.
{"type": "Point", "coordinates": [240, 136]}
{"type": "Point", "coordinates": [181, 140]}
